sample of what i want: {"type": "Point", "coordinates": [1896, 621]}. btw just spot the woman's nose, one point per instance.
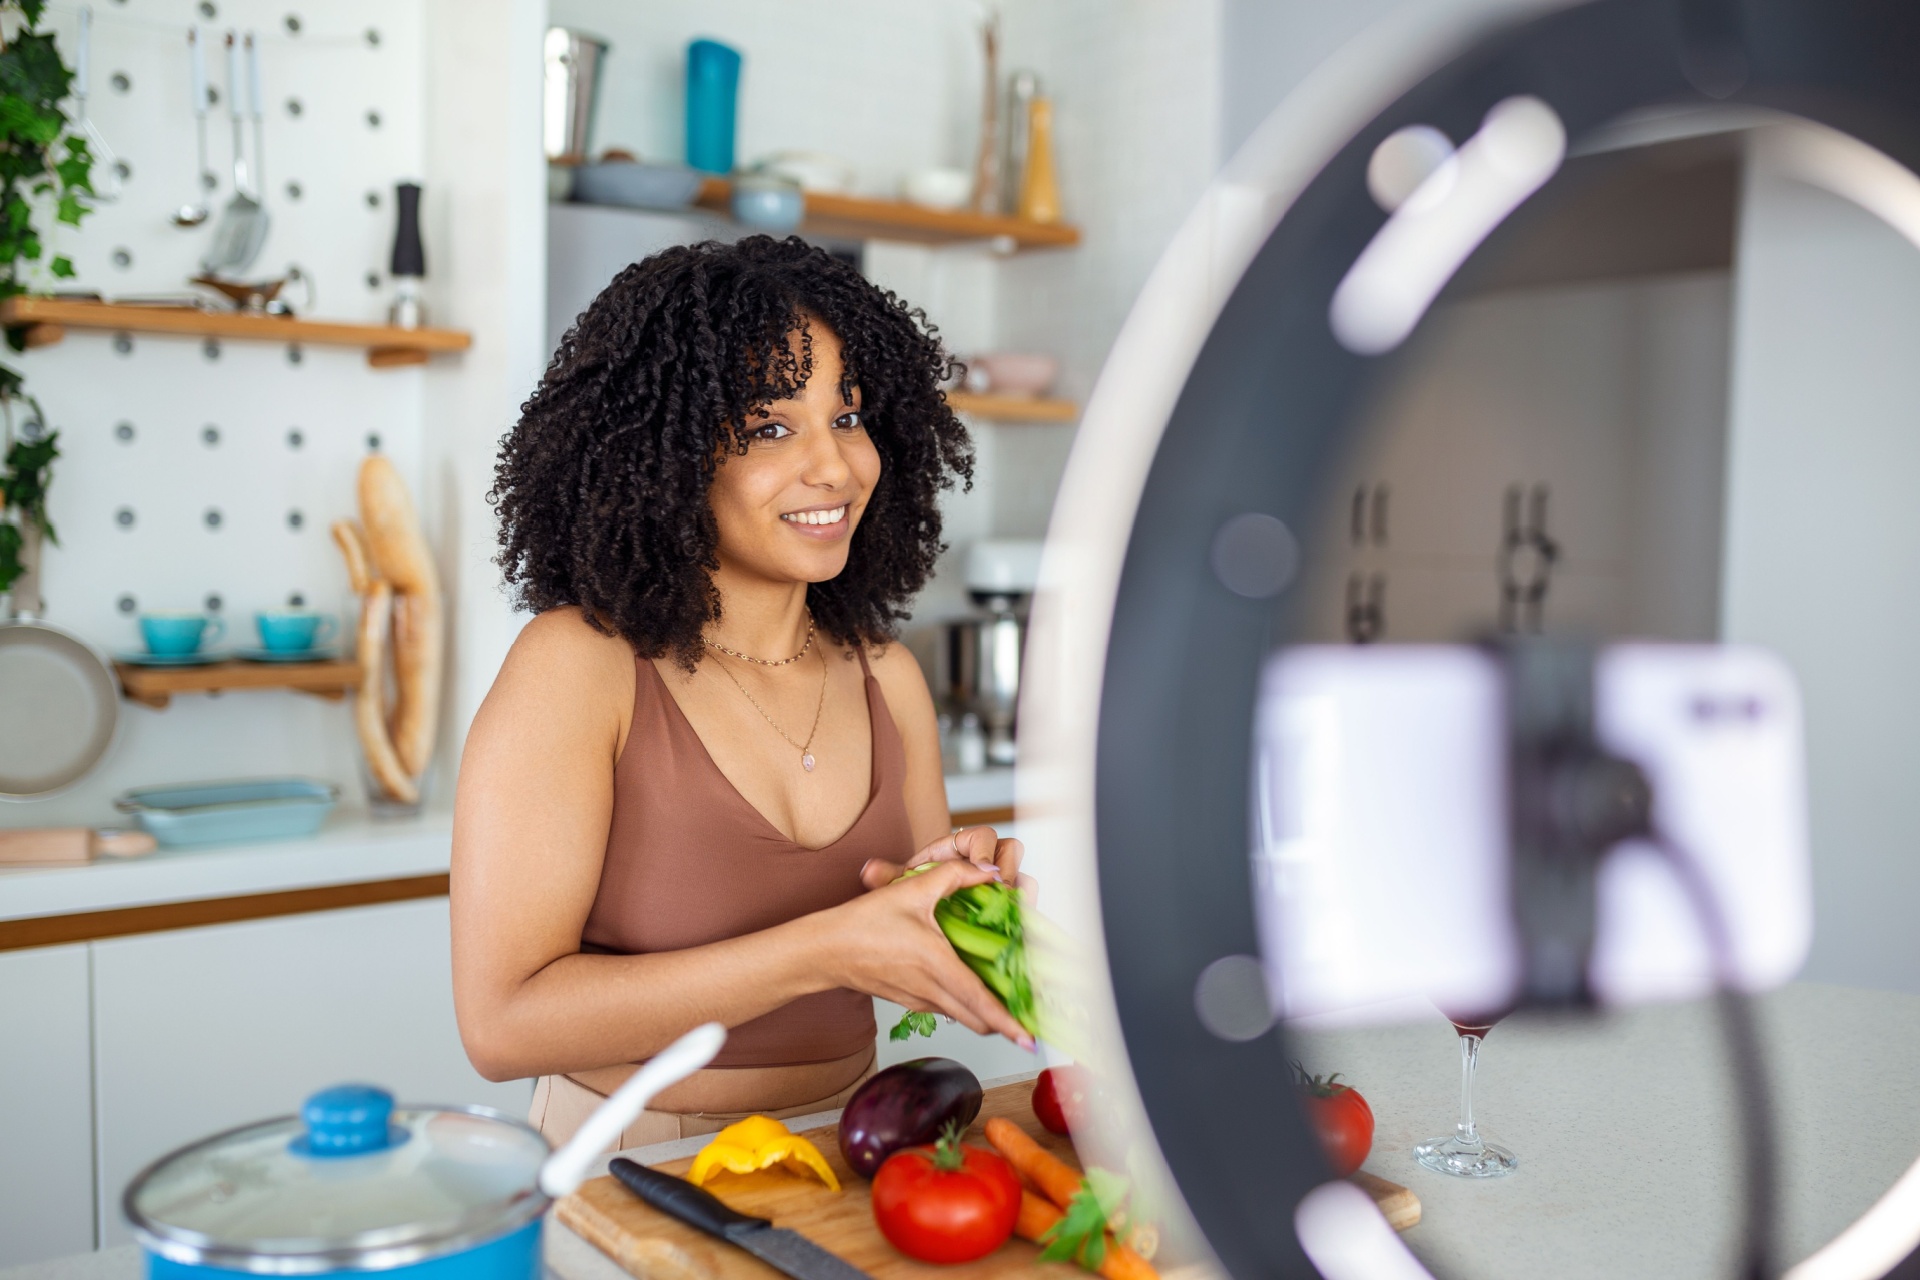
{"type": "Point", "coordinates": [826, 462]}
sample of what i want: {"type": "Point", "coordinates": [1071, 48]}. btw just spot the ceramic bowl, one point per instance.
{"type": "Point", "coordinates": [636, 185]}
{"type": "Point", "coordinates": [938, 188]}
{"type": "Point", "coordinates": [767, 203]}
{"type": "Point", "coordinates": [1012, 373]}
{"type": "Point", "coordinates": [813, 170]}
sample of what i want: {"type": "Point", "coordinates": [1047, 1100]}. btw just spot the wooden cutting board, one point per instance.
{"type": "Point", "coordinates": [652, 1246]}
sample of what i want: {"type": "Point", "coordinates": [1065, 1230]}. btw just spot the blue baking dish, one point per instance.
{"type": "Point", "coordinates": [228, 812]}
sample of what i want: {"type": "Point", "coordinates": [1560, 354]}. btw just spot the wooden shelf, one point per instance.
{"type": "Point", "coordinates": [155, 686]}
{"type": "Point", "coordinates": [861, 218]}
{"type": "Point", "coordinates": [47, 320]}
{"type": "Point", "coordinates": [1013, 408]}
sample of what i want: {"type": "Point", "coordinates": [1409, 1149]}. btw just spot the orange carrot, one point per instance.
{"type": "Point", "coordinates": [1037, 1218]}
{"type": "Point", "coordinates": [1055, 1178]}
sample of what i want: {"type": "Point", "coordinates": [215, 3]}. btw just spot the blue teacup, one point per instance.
{"type": "Point", "coordinates": [293, 630]}
{"type": "Point", "coordinates": [175, 635]}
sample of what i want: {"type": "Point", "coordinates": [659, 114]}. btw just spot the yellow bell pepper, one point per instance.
{"type": "Point", "coordinates": [759, 1142]}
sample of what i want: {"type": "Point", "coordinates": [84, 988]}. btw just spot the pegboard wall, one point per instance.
{"type": "Point", "coordinates": [204, 475]}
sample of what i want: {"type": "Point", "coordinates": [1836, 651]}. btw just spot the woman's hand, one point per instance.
{"type": "Point", "coordinates": [981, 846]}
{"type": "Point", "coordinates": [886, 943]}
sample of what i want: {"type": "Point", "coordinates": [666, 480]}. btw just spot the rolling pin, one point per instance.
{"type": "Point", "coordinates": [68, 846]}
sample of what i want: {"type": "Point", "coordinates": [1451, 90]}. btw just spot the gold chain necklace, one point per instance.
{"type": "Point", "coordinates": [806, 756]}
{"type": "Point", "coordinates": [766, 662]}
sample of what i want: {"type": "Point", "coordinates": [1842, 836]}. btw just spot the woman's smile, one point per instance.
{"type": "Point", "coordinates": [820, 522]}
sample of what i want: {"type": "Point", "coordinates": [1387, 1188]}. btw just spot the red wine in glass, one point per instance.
{"type": "Point", "coordinates": [1474, 1024]}
{"type": "Point", "coordinates": [1464, 1153]}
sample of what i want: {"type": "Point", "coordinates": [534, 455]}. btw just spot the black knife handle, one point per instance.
{"type": "Point", "coordinates": [678, 1198]}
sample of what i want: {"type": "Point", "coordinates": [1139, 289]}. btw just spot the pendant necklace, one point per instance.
{"type": "Point", "coordinates": [804, 748]}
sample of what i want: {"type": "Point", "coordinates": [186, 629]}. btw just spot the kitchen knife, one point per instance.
{"type": "Point", "coordinates": [783, 1250]}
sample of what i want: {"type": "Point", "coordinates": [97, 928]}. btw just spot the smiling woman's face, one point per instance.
{"type": "Point", "coordinates": [786, 509]}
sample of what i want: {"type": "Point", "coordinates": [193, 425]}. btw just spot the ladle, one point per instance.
{"type": "Point", "coordinates": [192, 215]}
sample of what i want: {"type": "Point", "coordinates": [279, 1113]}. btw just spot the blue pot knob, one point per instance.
{"type": "Point", "coordinates": [347, 1120]}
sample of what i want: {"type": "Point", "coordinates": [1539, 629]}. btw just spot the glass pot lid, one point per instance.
{"type": "Point", "coordinates": [349, 1182]}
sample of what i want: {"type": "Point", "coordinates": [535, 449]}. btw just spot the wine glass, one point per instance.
{"type": "Point", "coordinates": [1464, 1153]}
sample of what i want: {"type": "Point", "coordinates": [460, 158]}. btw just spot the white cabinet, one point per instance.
{"type": "Point", "coordinates": [203, 1029]}
{"type": "Point", "coordinates": [46, 1162]}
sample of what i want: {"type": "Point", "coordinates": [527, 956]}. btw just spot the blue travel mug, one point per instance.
{"type": "Point", "coordinates": [713, 84]}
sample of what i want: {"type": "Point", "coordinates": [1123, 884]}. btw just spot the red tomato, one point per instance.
{"type": "Point", "coordinates": [1058, 1095]}
{"type": "Point", "coordinates": [1344, 1123]}
{"type": "Point", "coordinates": [946, 1203]}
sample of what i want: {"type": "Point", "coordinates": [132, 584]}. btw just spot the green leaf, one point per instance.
{"type": "Point", "coordinates": [1080, 1235]}
{"type": "Point", "coordinates": [23, 483]}
{"type": "Point", "coordinates": [913, 1023]}
{"type": "Point", "coordinates": [10, 564]}
{"type": "Point", "coordinates": [62, 266]}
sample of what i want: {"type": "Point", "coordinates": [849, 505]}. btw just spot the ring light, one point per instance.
{"type": "Point", "coordinates": [1207, 447]}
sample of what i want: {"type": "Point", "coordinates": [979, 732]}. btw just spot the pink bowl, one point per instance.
{"type": "Point", "coordinates": [1012, 373]}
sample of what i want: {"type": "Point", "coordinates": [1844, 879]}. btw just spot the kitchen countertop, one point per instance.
{"type": "Point", "coordinates": [1622, 1125]}
{"type": "Point", "coordinates": [353, 848]}
{"type": "Point", "coordinates": [1624, 1128]}
{"type": "Point", "coordinates": [568, 1257]}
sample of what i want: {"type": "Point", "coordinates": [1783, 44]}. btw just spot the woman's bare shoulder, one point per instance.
{"type": "Point", "coordinates": [564, 636]}
{"type": "Point", "coordinates": [901, 680]}
{"type": "Point", "coordinates": [566, 667]}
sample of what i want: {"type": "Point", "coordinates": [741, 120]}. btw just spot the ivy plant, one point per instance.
{"type": "Point", "coordinates": [45, 169]}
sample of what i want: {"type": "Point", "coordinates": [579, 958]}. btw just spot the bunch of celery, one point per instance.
{"type": "Point", "coordinates": [983, 922]}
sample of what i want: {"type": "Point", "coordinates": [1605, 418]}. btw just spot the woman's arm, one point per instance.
{"type": "Point", "coordinates": [531, 814]}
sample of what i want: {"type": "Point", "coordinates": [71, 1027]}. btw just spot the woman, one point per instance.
{"type": "Point", "coordinates": [695, 783]}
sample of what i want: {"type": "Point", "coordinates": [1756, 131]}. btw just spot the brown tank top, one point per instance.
{"type": "Point", "coordinates": [689, 861]}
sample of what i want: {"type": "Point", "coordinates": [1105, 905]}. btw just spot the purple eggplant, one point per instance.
{"type": "Point", "coordinates": [907, 1105]}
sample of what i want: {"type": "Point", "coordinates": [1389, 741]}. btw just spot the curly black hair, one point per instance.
{"type": "Point", "coordinates": [602, 484]}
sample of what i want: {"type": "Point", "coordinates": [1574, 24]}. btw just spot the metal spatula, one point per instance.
{"type": "Point", "coordinates": [243, 223]}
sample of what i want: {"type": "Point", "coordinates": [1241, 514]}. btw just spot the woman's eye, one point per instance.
{"type": "Point", "coordinates": [770, 431]}
{"type": "Point", "coordinates": [851, 421]}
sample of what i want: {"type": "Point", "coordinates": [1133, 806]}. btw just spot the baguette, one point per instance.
{"type": "Point", "coordinates": [353, 549]}
{"type": "Point", "coordinates": [400, 555]}
{"type": "Point", "coordinates": [369, 703]}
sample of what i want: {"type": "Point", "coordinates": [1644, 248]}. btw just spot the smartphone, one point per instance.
{"type": "Point", "coordinates": [1380, 865]}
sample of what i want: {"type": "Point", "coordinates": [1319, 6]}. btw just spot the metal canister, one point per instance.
{"type": "Point", "coordinates": [570, 92]}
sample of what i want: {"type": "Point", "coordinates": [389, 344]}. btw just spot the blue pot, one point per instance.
{"type": "Point", "coordinates": [350, 1184]}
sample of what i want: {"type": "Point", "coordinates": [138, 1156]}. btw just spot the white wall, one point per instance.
{"type": "Point", "coordinates": [1823, 544]}
{"type": "Point", "coordinates": [489, 229]}
{"type": "Point", "coordinates": [891, 87]}
{"type": "Point", "coordinates": [1268, 48]}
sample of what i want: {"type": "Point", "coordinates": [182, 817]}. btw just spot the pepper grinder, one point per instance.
{"type": "Point", "coordinates": [409, 264]}
{"type": "Point", "coordinates": [1040, 187]}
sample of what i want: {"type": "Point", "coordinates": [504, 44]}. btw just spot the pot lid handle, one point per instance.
{"type": "Point", "coordinates": [347, 1120]}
